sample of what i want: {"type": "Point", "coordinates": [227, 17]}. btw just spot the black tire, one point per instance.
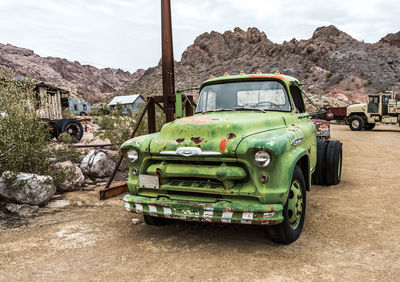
{"type": "Point", "coordinates": [333, 163]}
{"type": "Point", "coordinates": [356, 123]}
{"type": "Point", "coordinates": [58, 127]}
{"type": "Point", "coordinates": [288, 231]}
{"type": "Point", "coordinates": [369, 126]}
{"type": "Point", "coordinates": [319, 175]}
{"type": "Point", "coordinates": [156, 221]}
{"type": "Point", "coordinates": [72, 126]}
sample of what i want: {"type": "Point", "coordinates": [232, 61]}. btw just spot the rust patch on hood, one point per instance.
{"type": "Point", "coordinates": [197, 140]}
{"type": "Point", "coordinates": [231, 135]}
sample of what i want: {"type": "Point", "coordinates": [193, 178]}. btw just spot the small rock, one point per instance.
{"type": "Point", "coordinates": [135, 221]}
{"type": "Point", "coordinates": [88, 188]}
{"type": "Point", "coordinates": [58, 204]}
{"type": "Point", "coordinates": [22, 210]}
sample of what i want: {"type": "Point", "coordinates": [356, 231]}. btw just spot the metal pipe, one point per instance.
{"type": "Point", "coordinates": [168, 78]}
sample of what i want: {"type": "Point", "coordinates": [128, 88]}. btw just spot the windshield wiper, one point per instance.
{"type": "Point", "coordinates": [215, 110]}
{"type": "Point", "coordinates": [248, 109]}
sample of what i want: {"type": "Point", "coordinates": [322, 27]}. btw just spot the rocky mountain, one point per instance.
{"type": "Point", "coordinates": [92, 83]}
{"type": "Point", "coordinates": [330, 63]}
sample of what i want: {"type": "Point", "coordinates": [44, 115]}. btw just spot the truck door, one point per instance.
{"type": "Point", "coordinates": [385, 103]}
{"type": "Point", "coordinates": [373, 104]}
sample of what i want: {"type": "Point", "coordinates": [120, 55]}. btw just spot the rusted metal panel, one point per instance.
{"type": "Point", "coordinates": [339, 113]}
{"type": "Point", "coordinates": [114, 190]}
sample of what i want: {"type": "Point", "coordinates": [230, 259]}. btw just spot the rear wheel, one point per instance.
{"type": "Point", "coordinates": [369, 126]}
{"type": "Point", "coordinates": [319, 175]}
{"type": "Point", "coordinates": [333, 163]}
{"type": "Point", "coordinates": [356, 123]}
{"type": "Point", "coordinates": [294, 212]}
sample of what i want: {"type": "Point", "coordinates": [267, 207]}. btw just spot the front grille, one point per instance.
{"type": "Point", "coordinates": [200, 183]}
{"type": "Point", "coordinates": [191, 182]}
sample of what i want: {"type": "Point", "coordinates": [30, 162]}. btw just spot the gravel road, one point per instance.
{"type": "Point", "coordinates": [351, 232]}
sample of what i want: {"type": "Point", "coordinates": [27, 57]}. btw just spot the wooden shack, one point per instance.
{"type": "Point", "coordinates": [52, 100]}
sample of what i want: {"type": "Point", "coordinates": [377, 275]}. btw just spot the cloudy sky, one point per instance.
{"type": "Point", "coordinates": [126, 33]}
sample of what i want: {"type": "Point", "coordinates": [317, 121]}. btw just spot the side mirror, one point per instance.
{"type": "Point", "coordinates": [329, 116]}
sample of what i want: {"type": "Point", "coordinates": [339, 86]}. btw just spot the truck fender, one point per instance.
{"type": "Point", "coordinates": [303, 161]}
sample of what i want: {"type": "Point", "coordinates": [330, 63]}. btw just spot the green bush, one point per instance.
{"type": "Point", "coordinates": [117, 127]}
{"type": "Point", "coordinates": [23, 146]}
{"type": "Point", "coordinates": [66, 113]}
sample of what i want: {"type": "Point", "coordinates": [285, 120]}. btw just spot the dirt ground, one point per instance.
{"type": "Point", "coordinates": [352, 232]}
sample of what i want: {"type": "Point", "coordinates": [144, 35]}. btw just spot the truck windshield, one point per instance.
{"type": "Point", "coordinates": [249, 95]}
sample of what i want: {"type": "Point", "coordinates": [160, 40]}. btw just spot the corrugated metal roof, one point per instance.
{"type": "Point", "coordinates": [123, 100]}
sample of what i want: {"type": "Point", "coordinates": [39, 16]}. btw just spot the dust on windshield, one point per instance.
{"type": "Point", "coordinates": [249, 95]}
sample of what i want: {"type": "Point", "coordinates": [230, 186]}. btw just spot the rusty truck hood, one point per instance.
{"type": "Point", "coordinates": [214, 132]}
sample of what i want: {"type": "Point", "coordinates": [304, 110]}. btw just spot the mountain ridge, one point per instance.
{"type": "Point", "coordinates": [90, 82]}
{"type": "Point", "coordinates": [330, 63]}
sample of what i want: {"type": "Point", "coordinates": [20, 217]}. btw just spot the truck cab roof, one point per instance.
{"type": "Point", "coordinates": [249, 77]}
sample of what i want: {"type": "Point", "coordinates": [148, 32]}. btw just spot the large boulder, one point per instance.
{"type": "Point", "coordinates": [98, 164]}
{"type": "Point", "coordinates": [27, 188]}
{"type": "Point", "coordinates": [73, 177]}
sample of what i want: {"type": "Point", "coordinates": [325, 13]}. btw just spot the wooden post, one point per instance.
{"type": "Point", "coordinates": [151, 115]}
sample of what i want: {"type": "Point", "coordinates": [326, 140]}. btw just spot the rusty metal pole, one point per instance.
{"type": "Point", "coordinates": [168, 78]}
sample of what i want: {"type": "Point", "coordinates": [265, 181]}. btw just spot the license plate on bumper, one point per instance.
{"type": "Point", "coordinates": [149, 181]}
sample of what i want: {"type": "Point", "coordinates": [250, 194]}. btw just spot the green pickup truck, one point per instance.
{"type": "Point", "coordinates": [248, 155]}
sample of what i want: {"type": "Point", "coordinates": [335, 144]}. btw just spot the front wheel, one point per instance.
{"type": "Point", "coordinates": [356, 123]}
{"type": "Point", "coordinates": [294, 212]}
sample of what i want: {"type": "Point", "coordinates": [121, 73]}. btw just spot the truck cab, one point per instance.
{"type": "Point", "coordinates": [246, 156]}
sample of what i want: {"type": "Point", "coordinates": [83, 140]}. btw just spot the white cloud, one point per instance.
{"type": "Point", "coordinates": [126, 33]}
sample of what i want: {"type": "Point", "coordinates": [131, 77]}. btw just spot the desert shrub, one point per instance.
{"type": "Point", "coordinates": [66, 138]}
{"type": "Point", "coordinates": [23, 137]}
{"type": "Point", "coordinates": [66, 152]}
{"type": "Point", "coordinates": [66, 113]}
{"type": "Point", "coordinates": [117, 127]}
{"type": "Point", "coordinates": [23, 146]}
{"type": "Point", "coordinates": [328, 75]}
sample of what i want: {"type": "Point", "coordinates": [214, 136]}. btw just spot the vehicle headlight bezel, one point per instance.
{"type": "Point", "coordinates": [132, 155]}
{"type": "Point", "coordinates": [262, 158]}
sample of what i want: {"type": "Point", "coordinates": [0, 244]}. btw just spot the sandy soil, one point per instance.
{"type": "Point", "coordinates": [352, 232]}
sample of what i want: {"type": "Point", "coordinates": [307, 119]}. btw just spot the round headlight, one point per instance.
{"type": "Point", "coordinates": [262, 159]}
{"type": "Point", "coordinates": [132, 155]}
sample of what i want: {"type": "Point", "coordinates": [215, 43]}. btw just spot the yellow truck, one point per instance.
{"type": "Point", "coordinates": [381, 108]}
